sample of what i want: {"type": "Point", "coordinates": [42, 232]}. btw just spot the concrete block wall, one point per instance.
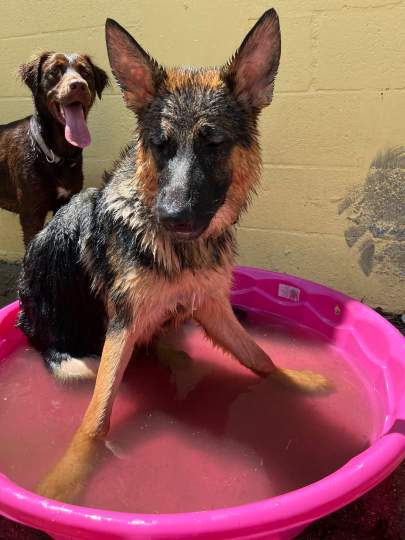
{"type": "Point", "coordinates": [339, 101]}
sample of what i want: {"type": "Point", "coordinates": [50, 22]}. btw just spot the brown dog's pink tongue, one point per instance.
{"type": "Point", "coordinates": [76, 130]}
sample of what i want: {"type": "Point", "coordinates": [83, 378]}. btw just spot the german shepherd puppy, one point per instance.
{"type": "Point", "coordinates": [156, 243]}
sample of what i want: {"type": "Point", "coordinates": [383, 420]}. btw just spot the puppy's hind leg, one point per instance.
{"type": "Point", "coordinates": [66, 368]}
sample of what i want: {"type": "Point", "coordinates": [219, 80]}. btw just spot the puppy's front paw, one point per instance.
{"type": "Point", "coordinates": [60, 488]}
{"type": "Point", "coordinates": [305, 381]}
{"type": "Point", "coordinates": [68, 479]}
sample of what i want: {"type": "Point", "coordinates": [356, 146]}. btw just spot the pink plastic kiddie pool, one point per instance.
{"type": "Point", "coordinates": [372, 344]}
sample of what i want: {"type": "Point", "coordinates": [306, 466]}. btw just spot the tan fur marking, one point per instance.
{"type": "Point", "coordinates": [117, 351]}
{"type": "Point", "coordinates": [246, 166]}
{"type": "Point", "coordinates": [143, 185]}
{"type": "Point", "coordinates": [146, 175]}
{"type": "Point", "coordinates": [178, 78]}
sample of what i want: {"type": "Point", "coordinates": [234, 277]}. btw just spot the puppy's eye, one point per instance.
{"type": "Point", "coordinates": [161, 143]}
{"type": "Point", "coordinates": [215, 142]}
{"type": "Point", "coordinates": [212, 139]}
{"type": "Point", "coordinates": [164, 148]}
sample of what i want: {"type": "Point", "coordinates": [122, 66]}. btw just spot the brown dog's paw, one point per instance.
{"type": "Point", "coordinates": [305, 381]}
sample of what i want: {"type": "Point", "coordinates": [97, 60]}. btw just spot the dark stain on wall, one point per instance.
{"type": "Point", "coordinates": [375, 212]}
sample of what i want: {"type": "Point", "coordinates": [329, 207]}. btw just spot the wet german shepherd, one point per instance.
{"type": "Point", "coordinates": [156, 243]}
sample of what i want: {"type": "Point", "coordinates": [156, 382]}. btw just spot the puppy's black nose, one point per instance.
{"type": "Point", "coordinates": [77, 85]}
{"type": "Point", "coordinates": [175, 219]}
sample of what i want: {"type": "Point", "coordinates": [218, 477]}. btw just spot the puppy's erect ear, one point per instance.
{"type": "Point", "coordinates": [251, 72]}
{"type": "Point", "coordinates": [136, 72]}
{"type": "Point", "coordinates": [30, 72]}
{"type": "Point", "coordinates": [101, 79]}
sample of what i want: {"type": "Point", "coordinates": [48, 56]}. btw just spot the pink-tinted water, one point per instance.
{"type": "Point", "coordinates": [193, 434]}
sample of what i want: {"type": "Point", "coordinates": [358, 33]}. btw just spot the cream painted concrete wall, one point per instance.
{"type": "Point", "coordinates": [340, 99]}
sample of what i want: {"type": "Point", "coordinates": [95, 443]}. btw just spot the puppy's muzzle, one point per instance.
{"type": "Point", "coordinates": [179, 221]}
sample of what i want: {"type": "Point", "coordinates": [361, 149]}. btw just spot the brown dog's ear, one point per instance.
{"type": "Point", "coordinates": [251, 72]}
{"type": "Point", "coordinates": [30, 72]}
{"type": "Point", "coordinates": [101, 79]}
{"type": "Point", "coordinates": [136, 72]}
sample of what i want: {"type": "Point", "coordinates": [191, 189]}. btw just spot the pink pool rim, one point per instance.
{"type": "Point", "coordinates": [379, 351]}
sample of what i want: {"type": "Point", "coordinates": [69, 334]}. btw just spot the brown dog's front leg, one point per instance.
{"type": "Point", "coordinates": [221, 325]}
{"type": "Point", "coordinates": [31, 223]}
{"type": "Point", "coordinates": [69, 476]}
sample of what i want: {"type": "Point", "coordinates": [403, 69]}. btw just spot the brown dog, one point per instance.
{"type": "Point", "coordinates": [41, 155]}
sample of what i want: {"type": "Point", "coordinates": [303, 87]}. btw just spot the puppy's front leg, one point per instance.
{"type": "Point", "coordinates": [68, 478]}
{"type": "Point", "coordinates": [219, 322]}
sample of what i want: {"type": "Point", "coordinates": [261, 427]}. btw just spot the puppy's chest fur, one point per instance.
{"type": "Point", "coordinates": [174, 286]}
{"type": "Point", "coordinates": [154, 301]}
{"type": "Point", "coordinates": [145, 276]}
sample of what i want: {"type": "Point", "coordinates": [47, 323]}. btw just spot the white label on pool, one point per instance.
{"type": "Point", "coordinates": [286, 291]}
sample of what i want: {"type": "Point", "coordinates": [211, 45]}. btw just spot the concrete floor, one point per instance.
{"type": "Point", "coordinates": [8, 279]}
{"type": "Point", "coordinates": [379, 515]}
